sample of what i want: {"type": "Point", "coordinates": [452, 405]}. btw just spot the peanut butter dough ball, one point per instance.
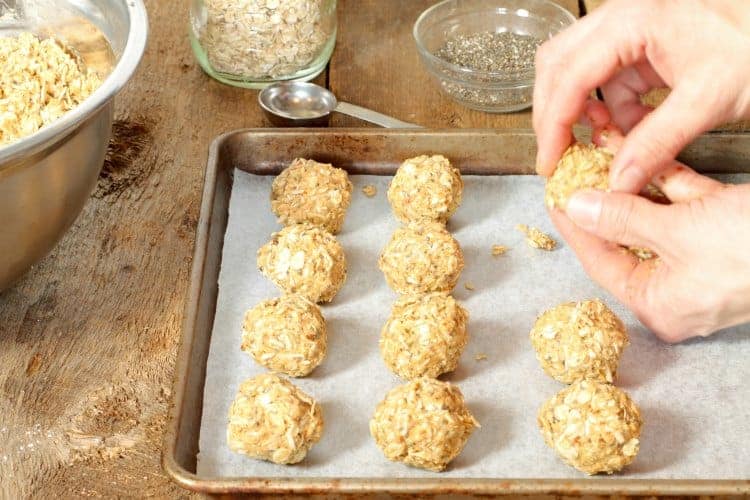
{"type": "Point", "coordinates": [423, 423]}
{"type": "Point", "coordinates": [424, 336]}
{"type": "Point", "coordinates": [271, 419]}
{"type": "Point", "coordinates": [306, 260]}
{"type": "Point", "coordinates": [286, 335]}
{"type": "Point", "coordinates": [421, 259]}
{"type": "Point", "coordinates": [586, 166]}
{"type": "Point", "coordinates": [425, 188]}
{"type": "Point", "coordinates": [593, 426]}
{"type": "Point", "coordinates": [579, 340]}
{"type": "Point", "coordinates": [312, 192]}
{"type": "Point", "coordinates": [582, 166]}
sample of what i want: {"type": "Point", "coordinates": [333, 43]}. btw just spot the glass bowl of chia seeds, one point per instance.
{"type": "Point", "coordinates": [482, 51]}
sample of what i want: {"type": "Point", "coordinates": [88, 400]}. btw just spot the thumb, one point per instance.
{"type": "Point", "coordinates": [622, 218]}
{"type": "Point", "coordinates": [659, 138]}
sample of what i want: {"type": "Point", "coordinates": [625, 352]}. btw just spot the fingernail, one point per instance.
{"type": "Point", "coordinates": [584, 208]}
{"type": "Point", "coordinates": [629, 179]}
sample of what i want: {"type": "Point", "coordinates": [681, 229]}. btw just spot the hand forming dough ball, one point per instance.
{"type": "Point", "coordinates": [423, 423]}
{"type": "Point", "coordinates": [306, 260]}
{"type": "Point", "coordinates": [286, 334]}
{"type": "Point", "coordinates": [579, 340]}
{"type": "Point", "coordinates": [425, 188]}
{"type": "Point", "coordinates": [592, 426]}
{"type": "Point", "coordinates": [582, 166]}
{"type": "Point", "coordinates": [424, 336]}
{"type": "Point", "coordinates": [308, 191]}
{"type": "Point", "coordinates": [420, 259]}
{"type": "Point", "coordinates": [271, 419]}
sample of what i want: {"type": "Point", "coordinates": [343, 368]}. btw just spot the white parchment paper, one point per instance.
{"type": "Point", "coordinates": [694, 397]}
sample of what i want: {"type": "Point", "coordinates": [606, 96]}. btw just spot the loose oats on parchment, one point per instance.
{"type": "Point", "coordinates": [537, 239]}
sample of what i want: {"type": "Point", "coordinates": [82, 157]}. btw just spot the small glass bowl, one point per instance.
{"type": "Point", "coordinates": [495, 92]}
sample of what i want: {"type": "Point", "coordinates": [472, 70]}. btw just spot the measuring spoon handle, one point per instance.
{"type": "Point", "coordinates": [371, 116]}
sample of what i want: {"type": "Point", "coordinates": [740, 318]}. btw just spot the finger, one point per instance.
{"type": "Point", "coordinates": [608, 264]}
{"type": "Point", "coordinates": [681, 183]}
{"type": "Point", "coordinates": [566, 78]}
{"type": "Point", "coordinates": [623, 93]}
{"type": "Point", "coordinates": [622, 218]}
{"type": "Point", "coordinates": [596, 113]}
{"type": "Point", "coordinates": [655, 142]}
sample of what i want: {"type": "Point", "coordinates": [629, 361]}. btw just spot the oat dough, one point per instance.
{"type": "Point", "coordinates": [308, 191]}
{"type": "Point", "coordinates": [592, 426]}
{"type": "Point", "coordinates": [578, 340]}
{"type": "Point", "coordinates": [271, 419]}
{"type": "Point", "coordinates": [423, 423]}
{"type": "Point", "coordinates": [421, 259]}
{"type": "Point", "coordinates": [286, 335]}
{"type": "Point", "coordinates": [582, 166]}
{"type": "Point", "coordinates": [306, 260]}
{"type": "Point", "coordinates": [424, 336]}
{"type": "Point", "coordinates": [425, 188]}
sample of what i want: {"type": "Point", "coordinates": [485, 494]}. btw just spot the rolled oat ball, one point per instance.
{"type": "Point", "coordinates": [424, 336]}
{"type": "Point", "coordinates": [271, 419]}
{"type": "Point", "coordinates": [286, 335]}
{"type": "Point", "coordinates": [312, 192]}
{"type": "Point", "coordinates": [582, 166]}
{"type": "Point", "coordinates": [425, 188]}
{"type": "Point", "coordinates": [423, 423]}
{"type": "Point", "coordinates": [592, 426]}
{"type": "Point", "coordinates": [421, 259]}
{"type": "Point", "coordinates": [305, 260]}
{"type": "Point", "coordinates": [579, 340]}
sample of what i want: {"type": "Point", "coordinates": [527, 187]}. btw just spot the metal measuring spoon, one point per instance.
{"type": "Point", "coordinates": [305, 104]}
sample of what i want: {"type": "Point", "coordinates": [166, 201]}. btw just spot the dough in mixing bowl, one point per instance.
{"type": "Point", "coordinates": [579, 340]}
{"type": "Point", "coordinates": [425, 188]}
{"type": "Point", "coordinates": [593, 426]}
{"type": "Point", "coordinates": [312, 192]}
{"type": "Point", "coordinates": [423, 423]}
{"type": "Point", "coordinates": [424, 336]}
{"type": "Point", "coordinates": [271, 419]}
{"type": "Point", "coordinates": [286, 334]}
{"type": "Point", "coordinates": [306, 260]}
{"type": "Point", "coordinates": [422, 258]}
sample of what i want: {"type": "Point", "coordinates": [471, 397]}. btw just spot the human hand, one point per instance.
{"type": "Point", "coordinates": [698, 48]}
{"type": "Point", "coordinates": [701, 281]}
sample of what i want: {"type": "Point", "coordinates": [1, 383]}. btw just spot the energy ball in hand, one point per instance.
{"type": "Point", "coordinates": [579, 340]}
{"type": "Point", "coordinates": [271, 419]}
{"type": "Point", "coordinates": [424, 336]}
{"type": "Point", "coordinates": [286, 335]}
{"type": "Point", "coordinates": [421, 259]}
{"type": "Point", "coordinates": [312, 192]}
{"type": "Point", "coordinates": [425, 188]}
{"type": "Point", "coordinates": [583, 166]}
{"type": "Point", "coordinates": [306, 260]}
{"type": "Point", "coordinates": [423, 423]}
{"type": "Point", "coordinates": [592, 426]}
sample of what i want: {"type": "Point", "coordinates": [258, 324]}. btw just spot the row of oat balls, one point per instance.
{"type": "Point", "coordinates": [270, 418]}
{"type": "Point", "coordinates": [425, 422]}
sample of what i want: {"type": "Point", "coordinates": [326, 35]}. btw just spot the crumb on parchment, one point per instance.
{"type": "Point", "coordinates": [480, 357]}
{"type": "Point", "coordinates": [370, 190]}
{"type": "Point", "coordinates": [537, 239]}
{"type": "Point", "coordinates": [469, 285]}
{"type": "Point", "coordinates": [498, 250]}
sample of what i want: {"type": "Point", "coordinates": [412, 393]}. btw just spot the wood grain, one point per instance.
{"type": "Point", "coordinates": [376, 65]}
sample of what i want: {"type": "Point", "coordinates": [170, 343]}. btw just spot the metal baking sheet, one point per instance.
{"type": "Point", "coordinates": [504, 449]}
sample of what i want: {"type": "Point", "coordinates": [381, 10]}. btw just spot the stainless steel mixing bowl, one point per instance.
{"type": "Point", "coordinates": [46, 178]}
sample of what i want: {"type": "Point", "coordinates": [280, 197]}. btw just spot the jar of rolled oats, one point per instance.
{"type": "Point", "coordinates": [252, 43]}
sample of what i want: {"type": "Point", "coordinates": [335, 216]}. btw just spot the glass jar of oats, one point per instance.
{"type": "Point", "coordinates": [252, 43]}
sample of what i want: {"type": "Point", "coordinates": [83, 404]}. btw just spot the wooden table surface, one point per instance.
{"type": "Point", "coordinates": [88, 337]}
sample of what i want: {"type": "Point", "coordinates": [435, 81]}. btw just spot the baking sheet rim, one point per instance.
{"type": "Point", "coordinates": [272, 485]}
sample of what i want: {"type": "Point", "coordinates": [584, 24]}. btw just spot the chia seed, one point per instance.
{"type": "Point", "coordinates": [509, 53]}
